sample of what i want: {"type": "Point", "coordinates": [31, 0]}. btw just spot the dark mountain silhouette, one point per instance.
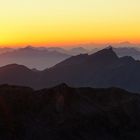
{"type": "Point", "coordinates": [32, 57]}
{"type": "Point", "coordinates": [42, 57]}
{"type": "Point", "coordinates": [100, 70]}
{"type": "Point", "coordinates": [64, 112]}
{"type": "Point", "coordinates": [17, 75]}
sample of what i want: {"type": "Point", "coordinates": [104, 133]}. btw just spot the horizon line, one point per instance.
{"type": "Point", "coordinates": [89, 44]}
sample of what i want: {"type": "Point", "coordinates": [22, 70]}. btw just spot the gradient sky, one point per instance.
{"type": "Point", "coordinates": [53, 22]}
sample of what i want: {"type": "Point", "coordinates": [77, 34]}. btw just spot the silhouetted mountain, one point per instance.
{"type": "Point", "coordinates": [32, 57]}
{"type": "Point", "coordinates": [100, 70]}
{"type": "Point", "coordinates": [42, 57]}
{"type": "Point", "coordinates": [133, 52]}
{"type": "Point", "coordinates": [17, 74]}
{"type": "Point", "coordinates": [64, 112]}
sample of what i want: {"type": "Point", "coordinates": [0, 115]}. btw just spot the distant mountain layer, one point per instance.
{"type": "Point", "coordinates": [133, 52]}
{"type": "Point", "coordinates": [71, 51]}
{"type": "Point", "coordinates": [42, 57]}
{"type": "Point", "coordinates": [66, 113]}
{"type": "Point", "coordinates": [4, 50]}
{"type": "Point", "coordinates": [32, 57]}
{"type": "Point", "coordinates": [100, 70]}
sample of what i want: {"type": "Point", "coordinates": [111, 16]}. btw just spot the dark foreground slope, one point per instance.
{"type": "Point", "coordinates": [65, 113]}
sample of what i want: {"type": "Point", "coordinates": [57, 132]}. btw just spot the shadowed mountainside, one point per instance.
{"type": "Point", "coordinates": [63, 112]}
{"type": "Point", "coordinates": [100, 70]}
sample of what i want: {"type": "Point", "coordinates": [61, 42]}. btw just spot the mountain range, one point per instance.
{"type": "Point", "coordinates": [71, 51]}
{"type": "Point", "coordinates": [126, 51]}
{"type": "Point", "coordinates": [63, 112]}
{"type": "Point", "coordinates": [39, 58]}
{"type": "Point", "coordinates": [102, 69]}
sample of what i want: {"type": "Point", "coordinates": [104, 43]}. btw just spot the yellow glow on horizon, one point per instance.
{"type": "Point", "coordinates": [42, 22]}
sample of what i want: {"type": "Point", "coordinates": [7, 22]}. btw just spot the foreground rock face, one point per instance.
{"type": "Point", "coordinates": [65, 113]}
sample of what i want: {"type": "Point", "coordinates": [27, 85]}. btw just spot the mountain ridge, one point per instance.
{"type": "Point", "coordinates": [32, 57]}
{"type": "Point", "coordinates": [100, 70]}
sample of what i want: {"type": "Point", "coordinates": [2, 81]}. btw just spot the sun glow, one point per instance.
{"type": "Point", "coordinates": [52, 22]}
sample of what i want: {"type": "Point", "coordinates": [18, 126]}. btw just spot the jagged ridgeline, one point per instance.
{"type": "Point", "coordinates": [102, 69]}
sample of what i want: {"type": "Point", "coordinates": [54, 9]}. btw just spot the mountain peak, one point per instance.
{"type": "Point", "coordinates": [106, 54]}
{"type": "Point", "coordinates": [14, 67]}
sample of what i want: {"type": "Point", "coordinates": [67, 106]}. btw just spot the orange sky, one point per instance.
{"type": "Point", "coordinates": [65, 22]}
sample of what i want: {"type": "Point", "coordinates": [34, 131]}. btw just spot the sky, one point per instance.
{"type": "Point", "coordinates": [66, 22]}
